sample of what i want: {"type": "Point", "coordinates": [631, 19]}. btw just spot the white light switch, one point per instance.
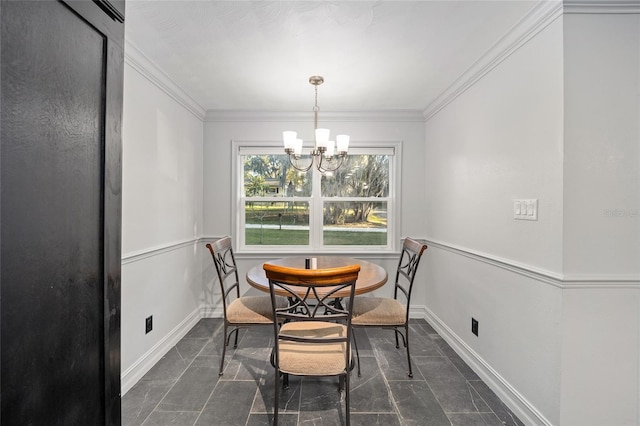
{"type": "Point", "coordinates": [525, 209]}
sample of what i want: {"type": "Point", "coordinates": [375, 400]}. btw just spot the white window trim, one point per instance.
{"type": "Point", "coordinates": [393, 148]}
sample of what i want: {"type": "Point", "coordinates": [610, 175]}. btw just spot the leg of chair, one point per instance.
{"type": "Point", "coordinates": [398, 332]}
{"type": "Point", "coordinates": [355, 344]}
{"type": "Point", "coordinates": [285, 381]}
{"type": "Point", "coordinates": [406, 343]}
{"type": "Point", "coordinates": [277, 399]}
{"type": "Point", "coordinates": [397, 341]}
{"type": "Point", "coordinates": [346, 398]}
{"type": "Point", "coordinates": [235, 342]}
{"type": "Point", "coordinates": [225, 342]}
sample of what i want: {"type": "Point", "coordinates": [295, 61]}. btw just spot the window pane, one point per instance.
{"type": "Point", "coordinates": [273, 176]}
{"type": "Point", "coordinates": [359, 176]}
{"type": "Point", "coordinates": [355, 223]}
{"type": "Point", "coordinates": [276, 223]}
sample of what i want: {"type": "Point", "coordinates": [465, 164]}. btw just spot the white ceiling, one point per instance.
{"type": "Point", "coordinates": [373, 55]}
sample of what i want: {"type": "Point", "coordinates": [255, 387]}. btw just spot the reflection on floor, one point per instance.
{"type": "Point", "coordinates": [184, 388]}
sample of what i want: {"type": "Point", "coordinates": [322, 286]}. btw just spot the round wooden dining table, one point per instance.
{"type": "Point", "coordinates": [370, 277]}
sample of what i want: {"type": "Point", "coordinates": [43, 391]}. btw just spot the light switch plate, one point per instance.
{"type": "Point", "coordinates": [525, 209]}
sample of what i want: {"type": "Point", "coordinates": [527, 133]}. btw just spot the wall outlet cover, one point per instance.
{"type": "Point", "coordinates": [148, 324]}
{"type": "Point", "coordinates": [474, 326]}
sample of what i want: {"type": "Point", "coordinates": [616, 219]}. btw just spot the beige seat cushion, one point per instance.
{"type": "Point", "coordinates": [311, 359]}
{"type": "Point", "coordinates": [253, 309]}
{"type": "Point", "coordinates": [378, 311]}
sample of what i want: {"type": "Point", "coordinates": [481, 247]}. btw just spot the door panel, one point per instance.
{"type": "Point", "coordinates": [55, 312]}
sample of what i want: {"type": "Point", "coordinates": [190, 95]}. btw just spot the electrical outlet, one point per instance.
{"type": "Point", "coordinates": [148, 324]}
{"type": "Point", "coordinates": [474, 326]}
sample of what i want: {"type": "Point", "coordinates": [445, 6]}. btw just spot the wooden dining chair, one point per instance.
{"type": "Point", "coordinates": [313, 334]}
{"type": "Point", "coordinates": [239, 312]}
{"type": "Point", "coordinates": [393, 313]}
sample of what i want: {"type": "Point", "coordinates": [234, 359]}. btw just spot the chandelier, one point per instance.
{"type": "Point", "coordinates": [327, 155]}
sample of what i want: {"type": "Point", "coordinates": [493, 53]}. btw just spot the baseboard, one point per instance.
{"type": "Point", "coordinates": [418, 311]}
{"type": "Point", "coordinates": [139, 368]}
{"type": "Point", "coordinates": [522, 408]}
{"type": "Point", "coordinates": [212, 312]}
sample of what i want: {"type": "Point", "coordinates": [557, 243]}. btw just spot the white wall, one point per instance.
{"type": "Point", "coordinates": [600, 355]}
{"type": "Point", "coordinates": [161, 219]}
{"type": "Point", "coordinates": [500, 140]}
{"type": "Point", "coordinates": [602, 149]}
{"type": "Point", "coordinates": [601, 304]}
{"type": "Point", "coordinates": [557, 299]}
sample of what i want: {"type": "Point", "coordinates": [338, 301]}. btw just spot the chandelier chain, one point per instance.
{"type": "Point", "coordinates": [316, 108]}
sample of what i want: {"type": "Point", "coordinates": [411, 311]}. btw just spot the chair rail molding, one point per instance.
{"type": "Point", "coordinates": [563, 281]}
{"type": "Point", "coordinates": [157, 250]}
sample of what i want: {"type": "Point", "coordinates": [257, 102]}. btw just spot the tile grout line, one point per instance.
{"type": "Point", "coordinates": [467, 382]}
{"type": "Point", "coordinates": [180, 376]}
{"type": "Point", "coordinates": [218, 382]}
{"type": "Point", "coordinates": [386, 382]}
{"type": "Point", "coordinates": [444, 356]}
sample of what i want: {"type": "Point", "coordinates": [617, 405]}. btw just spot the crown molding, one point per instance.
{"type": "Point", "coordinates": [279, 116]}
{"type": "Point", "coordinates": [148, 69]}
{"type": "Point", "coordinates": [528, 27]}
{"type": "Point", "coordinates": [538, 18]}
{"type": "Point", "coordinates": [602, 6]}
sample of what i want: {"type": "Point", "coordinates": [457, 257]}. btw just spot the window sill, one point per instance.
{"type": "Point", "coordinates": [360, 254]}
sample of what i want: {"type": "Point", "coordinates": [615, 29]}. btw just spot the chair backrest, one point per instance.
{"type": "Point", "coordinates": [407, 267]}
{"type": "Point", "coordinates": [225, 262]}
{"type": "Point", "coordinates": [311, 298]}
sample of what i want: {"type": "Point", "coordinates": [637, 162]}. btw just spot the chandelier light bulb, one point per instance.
{"type": "Point", "coordinates": [289, 138]}
{"type": "Point", "coordinates": [322, 138]}
{"type": "Point", "coordinates": [297, 147]}
{"type": "Point", "coordinates": [342, 143]}
{"type": "Point", "coordinates": [331, 147]}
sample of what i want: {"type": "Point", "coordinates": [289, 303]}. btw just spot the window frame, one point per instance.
{"type": "Point", "coordinates": [240, 148]}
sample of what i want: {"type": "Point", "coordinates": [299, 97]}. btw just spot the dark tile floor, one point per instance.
{"type": "Point", "coordinates": [184, 388]}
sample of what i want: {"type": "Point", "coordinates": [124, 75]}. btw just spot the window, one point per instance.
{"type": "Point", "coordinates": [281, 209]}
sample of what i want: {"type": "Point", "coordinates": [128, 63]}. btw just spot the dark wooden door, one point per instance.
{"type": "Point", "coordinates": [60, 177]}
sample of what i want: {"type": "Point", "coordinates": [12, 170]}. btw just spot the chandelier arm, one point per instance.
{"type": "Point", "coordinates": [322, 169]}
{"type": "Point", "coordinates": [294, 163]}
